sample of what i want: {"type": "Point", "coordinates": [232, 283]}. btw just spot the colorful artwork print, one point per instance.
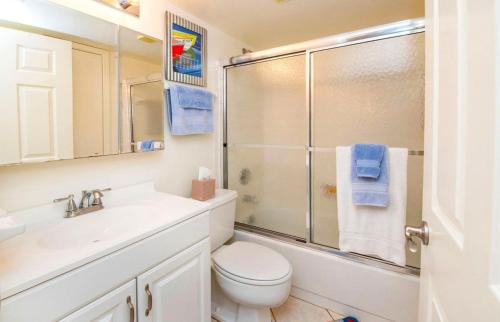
{"type": "Point", "coordinates": [186, 51]}
{"type": "Point", "coordinates": [186, 54]}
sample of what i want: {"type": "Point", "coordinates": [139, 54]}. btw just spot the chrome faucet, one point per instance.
{"type": "Point", "coordinates": [85, 205]}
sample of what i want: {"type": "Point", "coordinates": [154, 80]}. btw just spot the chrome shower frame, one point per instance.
{"type": "Point", "coordinates": [397, 29]}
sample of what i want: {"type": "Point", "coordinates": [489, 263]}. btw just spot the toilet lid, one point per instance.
{"type": "Point", "coordinates": [252, 261]}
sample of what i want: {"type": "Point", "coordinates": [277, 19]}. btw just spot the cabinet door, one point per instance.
{"type": "Point", "coordinates": [116, 306]}
{"type": "Point", "coordinates": [177, 289]}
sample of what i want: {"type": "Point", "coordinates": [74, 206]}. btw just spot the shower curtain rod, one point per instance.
{"type": "Point", "coordinates": [405, 26]}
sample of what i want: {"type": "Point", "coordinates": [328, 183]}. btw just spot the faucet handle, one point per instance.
{"type": "Point", "coordinates": [98, 194]}
{"type": "Point", "coordinates": [71, 206]}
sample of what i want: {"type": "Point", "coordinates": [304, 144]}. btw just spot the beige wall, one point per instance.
{"type": "Point", "coordinates": [26, 186]}
{"type": "Point", "coordinates": [132, 67]}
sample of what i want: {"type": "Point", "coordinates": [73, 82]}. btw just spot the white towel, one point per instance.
{"type": "Point", "coordinates": [373, 230]}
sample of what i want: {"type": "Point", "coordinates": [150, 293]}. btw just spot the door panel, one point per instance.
{"type": "Point", "coordinates": [89, 99]}
{"type": "Point", "coordinates": [36, 121]}
{"type": "Point", "coordinates": [457, 276]}
{"type": "Point", "coordinates": [325, 229]}
{"type": "Point", "coordinates": [368, 92]}
{"type": "Point", "coordinates": [272, 187]}
{"type": "Point", "coordinates": [179, 288]}
{"type": "Point", "coordinates": [266, 102]}
{"type": "Point", "coordinates": [116, 306]}
{"type": "Point", "coordinates": [267, 135]}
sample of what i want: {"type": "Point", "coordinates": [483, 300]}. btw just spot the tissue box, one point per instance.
{"type": "Point", "coordinates": [203, 189]}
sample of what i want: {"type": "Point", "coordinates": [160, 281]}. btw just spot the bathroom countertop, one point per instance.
{"type": "Point", "coordinates": [51, 247]}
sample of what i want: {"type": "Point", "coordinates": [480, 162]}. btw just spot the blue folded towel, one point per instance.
{"type": "Point", "coordinates": [189, 110]}
{"type": "Point", "coordinates": [367, 191]}
{"type": "Point", "coordinates": [368, 158]}
{"type": "Point", "coordinates": [147, 145]}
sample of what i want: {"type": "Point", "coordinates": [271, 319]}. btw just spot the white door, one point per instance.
{"type": "Point", "coordinates": [116, 306]}
{"type": "Point", "coordinates": [36, 91]}
{"type": "Point", "coordinates": [460, 276]}
{"type": "Point", "coordinates": [91, 99]}
{"type": "Point", "coordinates": [177, 289]}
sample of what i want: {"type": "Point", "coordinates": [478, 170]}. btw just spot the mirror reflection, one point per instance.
{"type": "Point", "coordinates": [94, 101]}
{"type": "Point", "coordinates": [58, 86]}
{"type": "Point", "coordinates": [141, 83]}
{"type": "Point", "coordinates": [67, 90]}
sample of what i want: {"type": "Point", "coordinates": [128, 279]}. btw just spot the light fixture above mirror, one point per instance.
{"type": "Point", "coordinates": [130, 6]}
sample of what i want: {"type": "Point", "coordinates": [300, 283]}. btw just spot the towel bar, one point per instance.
{"type": "Point", "coordinates": [295, 147]}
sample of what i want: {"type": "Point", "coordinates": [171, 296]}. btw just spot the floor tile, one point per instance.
{"type": "Point", "coordinates": [335, 315]}
{"type": "Point", "coordinates": [295, 310]}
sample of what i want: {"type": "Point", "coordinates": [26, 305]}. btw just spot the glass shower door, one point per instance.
{"type": "Point", "coordinates": [266, 141]}
{"type": "Point", "coordinates": [368, 92]}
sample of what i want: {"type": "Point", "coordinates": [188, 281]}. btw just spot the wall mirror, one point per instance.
{"type": "Point", "coordinates": [63, 79]}
{"type": "Point", "coordinates": [58, 84]}
{"type": "Point", "coordinates": [142, 101]}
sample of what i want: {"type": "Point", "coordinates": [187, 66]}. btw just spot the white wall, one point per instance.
{"type": "Point", "coordinates": [25, 186]}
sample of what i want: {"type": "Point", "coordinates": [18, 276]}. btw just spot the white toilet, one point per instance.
{"type": "Point", "coordinates": [247, 279]}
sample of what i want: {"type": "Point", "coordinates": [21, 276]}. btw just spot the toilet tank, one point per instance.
{"type": "Point", "coordinates": [222, 217]}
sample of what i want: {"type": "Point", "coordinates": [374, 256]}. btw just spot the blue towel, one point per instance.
{"type": "Point", "coordinates": [370, 191]}
{"type": "Point", "coordinates": [368, 159]}
{"type": "Point", "coordinates": [147, 145]}
{"type": "Point", "coordinates": [189, 110]}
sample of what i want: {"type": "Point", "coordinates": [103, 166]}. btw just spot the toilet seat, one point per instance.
{"type": "Point", "coordinates": [252, 264]}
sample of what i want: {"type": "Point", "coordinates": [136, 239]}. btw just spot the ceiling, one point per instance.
{"type": "Point", "coordinates": [265, 24]}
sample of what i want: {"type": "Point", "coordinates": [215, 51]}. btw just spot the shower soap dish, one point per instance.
{"type": "Point", "coordinates": [203, 189]}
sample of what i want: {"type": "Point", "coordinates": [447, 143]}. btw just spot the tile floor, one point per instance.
{"type": "Point", "coordinates": [295, 310]}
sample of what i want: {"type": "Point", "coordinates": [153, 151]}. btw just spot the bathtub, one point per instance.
{"type": "Point", "coordinates": [369, 293]}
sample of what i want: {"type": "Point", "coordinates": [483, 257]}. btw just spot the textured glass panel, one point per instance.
{"type": "Point", "coordinates": [266, 102]}
{"type": "Point", "coordinates": [324, 200]}
{"type": "Point", "coordinates": [370, 92]}
{"type": "Point", "coordinates": [272, 188]}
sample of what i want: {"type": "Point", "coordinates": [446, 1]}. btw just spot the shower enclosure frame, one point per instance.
{"type": "Point", "coordinates": [391, 30]}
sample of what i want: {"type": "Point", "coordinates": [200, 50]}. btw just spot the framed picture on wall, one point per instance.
{"type": "Point", "coordinates": [186, 51]}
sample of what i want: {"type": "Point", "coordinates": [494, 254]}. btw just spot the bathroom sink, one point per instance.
{"type": "Point", "coordinates": [9, 227]}
{"type": "Point", "coordinates": [96, 227]}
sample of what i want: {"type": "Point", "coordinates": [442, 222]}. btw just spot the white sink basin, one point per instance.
{"type": "Point", "coordinates": [10, 227]}
{"type": "Point", "coordinates": [95, 227]}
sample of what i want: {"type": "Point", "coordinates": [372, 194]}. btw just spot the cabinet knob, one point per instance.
{"type": "Point", "coordinates": [150, 300]}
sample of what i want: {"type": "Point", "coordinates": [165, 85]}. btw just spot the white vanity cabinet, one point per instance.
{"type": "Point", "coordinates": [174, 263]}
{"type": "Point", "coordinates": [116, 306]}
{"type": "Point", "coordinates": [177, 289]}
